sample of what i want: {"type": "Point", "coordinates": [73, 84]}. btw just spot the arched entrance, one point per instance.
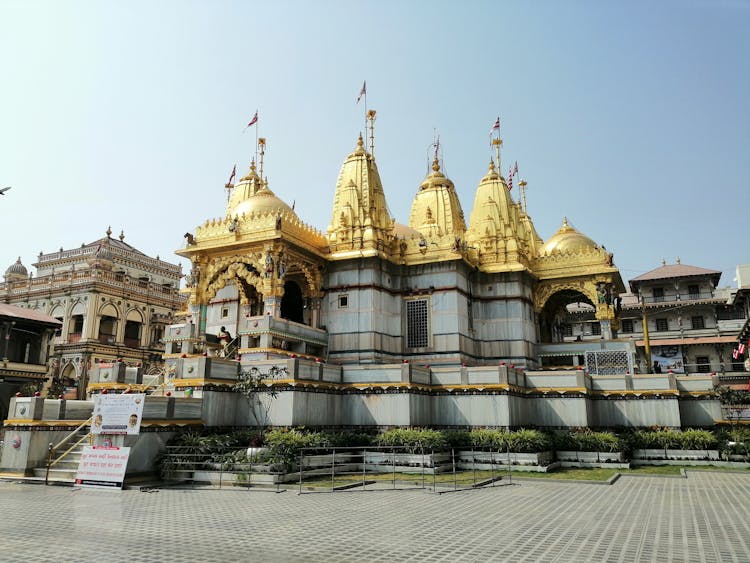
{"type": "Point", "coordinates": [292, 304]}
{"type": "Point", "coordinates": [568, 315]}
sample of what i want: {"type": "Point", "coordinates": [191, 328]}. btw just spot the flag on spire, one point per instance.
{"type": "Point", "coordinates": [253, 121]}
{"type": "Point", "coordinates": [515, 168]}
{"type": "Point", "coordinates": [363, 91]}
{"type": "Point", "coordinates": [495, 126]}
{"type": "Point", "coordinates": [232, 175]}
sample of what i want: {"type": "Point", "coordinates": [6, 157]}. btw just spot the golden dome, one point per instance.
{"type": "Point", "coordinates": [263, 202]}
{"type": "Point", "coordinates": [566, 240]}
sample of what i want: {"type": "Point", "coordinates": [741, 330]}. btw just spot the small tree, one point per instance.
{"type": "Point", "coordinates": [251, 383]}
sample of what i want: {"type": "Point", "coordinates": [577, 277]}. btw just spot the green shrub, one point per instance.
{"type": "Point", "coordinates": [415, 440]}
{"type": "Point", "coordinates": [529, 441]}
{"type": "Point", "coordinates": [488, 438]}
{"type": "Point", "coordinates": [589, 441]}
{"type": "Point", "coordinates": [690, 439]}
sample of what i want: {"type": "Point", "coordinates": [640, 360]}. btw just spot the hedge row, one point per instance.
{"type": "Point", "coordinates": [284, 445]}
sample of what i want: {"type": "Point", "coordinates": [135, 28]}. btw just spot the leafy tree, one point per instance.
{"type": "Point", "coordinates": [251, 383]}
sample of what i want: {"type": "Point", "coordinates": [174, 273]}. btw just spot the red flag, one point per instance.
{"type": "Point", "coordinates": [735, 354]}
{"type": "Point", "coordinates": [232, 175]}
{"type": "Point", "coordinates": [741, 349]}
{"type": "Point", "coordinates": [363, 91]}
{"type": "Point", "coordinates": [495, 126]}
{"type": "Point", "coordinates": [253, 121]}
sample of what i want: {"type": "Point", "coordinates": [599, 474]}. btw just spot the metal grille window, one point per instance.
{"type": "Point", "coordinates": [417, 323]}
{"type": "Point", "coordinates": [698, 322]}
{"type": "Point", "coordinates": [658, 294]}
{"type": "Point", "coordinates": [627, 325]}
{"type": "Point", "coordinates": [596, 329]}
{"type": "Point", "coordinates": [704, 365]}
{"type": "Point", "coordinates": [693, 291]}
{"type": "Point", "coordinates": [662, 325]}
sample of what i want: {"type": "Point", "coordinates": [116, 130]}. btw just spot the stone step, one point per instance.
{"type": "Point", "coordinates": [61, 475]}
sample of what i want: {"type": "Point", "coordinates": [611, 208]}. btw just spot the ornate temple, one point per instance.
{"type": "Point", "coordinates": [438, 290]}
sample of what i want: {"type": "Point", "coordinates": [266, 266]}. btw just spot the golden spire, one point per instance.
{"type": "Point", "coordinates": [522, 187]}
{"type": "Point", "coordinates": [262, 145]}
{"type": "Point", "coordinates": [252, 174]}
{"type": "Point", "coordinates": [371, 119]}
{"type": "Point", "coordinates": [498, 142]}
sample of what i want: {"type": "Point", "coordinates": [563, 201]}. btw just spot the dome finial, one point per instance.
{"type": "Point", "coordinates": [108, 232]}
{"type": "Point", "coordinates": [663, 261]}
{"type": "Point", "coordinates": [678, 259]}
{"type": "Point", "coordinates": [122, 235]}
{"type": "Point", "coordinates": [565, 222]}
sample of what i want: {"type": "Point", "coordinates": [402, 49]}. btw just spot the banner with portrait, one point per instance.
{"type": "Point", "coordinates": [117, 414]}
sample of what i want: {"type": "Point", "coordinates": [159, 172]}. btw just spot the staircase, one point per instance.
{"type": "Point", "coordinates": [64, 471]}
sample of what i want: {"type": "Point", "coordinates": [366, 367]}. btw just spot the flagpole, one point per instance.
{"type": "Point", "coordinates": [257, 126]}
{"type": "Point", "coordinates": [365, 115]}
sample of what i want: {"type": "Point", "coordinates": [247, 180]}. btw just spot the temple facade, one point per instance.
{"type": "Point", "coordinates": [369, 290]}
{"type": "Point", "coordinates": [436, 321]}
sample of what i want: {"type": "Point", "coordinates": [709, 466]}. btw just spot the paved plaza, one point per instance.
{"type": "Point", "coordinates": [705, 517]}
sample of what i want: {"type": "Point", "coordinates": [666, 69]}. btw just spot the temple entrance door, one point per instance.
{"type": "Point", "coordinates": [567, 315]}
{"type": "Point", "coordinates": [292, 303]}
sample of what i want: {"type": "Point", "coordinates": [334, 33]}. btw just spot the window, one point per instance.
{"type": "Point", "coordinates": [662, 325]}
{"type": "Point", "coordinates": [627, 325]}
{"type": "Point", "coordinates": [693, 291]}
{"type": "Point", "coordinates": [567, 330]}
{"type": "Point", "coordinates": [697, 322]}
{"type": "Point", "coordinates": [224, 312]}
{"type": "Point", "coordinates": [417, 323]}
{"type": "Point", "coordinates": [658, 294]}
{"type": "Point", "coordinates": [596, 329]}
{"type": "Point", "coordinates": [343, 301]}
{"type": "Point", "coordinates": [703, 364]}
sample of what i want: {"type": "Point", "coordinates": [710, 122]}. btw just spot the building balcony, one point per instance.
{"type": "Point", "coordinates": [74, 337]}
{"type": "Point", "coordinates": [132, 342]}
{"type": "Point", "coordinates": [671, 298]}
{"type": "Point", "coordinates": [107, 339]}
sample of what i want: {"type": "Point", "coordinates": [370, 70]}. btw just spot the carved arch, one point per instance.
{"type": "Point", "coordinates": [546, 290]}
{"type": "Point", "coordinates": [234, 272]}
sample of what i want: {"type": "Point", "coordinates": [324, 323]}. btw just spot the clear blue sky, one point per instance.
{"type": "Point", "coordinates": [631, 118]}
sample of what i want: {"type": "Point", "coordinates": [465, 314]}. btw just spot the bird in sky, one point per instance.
{"type": "Point", "coordinates": [3, 190]}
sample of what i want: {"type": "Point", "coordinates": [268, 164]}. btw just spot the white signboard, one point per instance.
{"type": "Point", "coordinates": [117, 414]}
{"type": "Point", "coordinates": [102, 467]}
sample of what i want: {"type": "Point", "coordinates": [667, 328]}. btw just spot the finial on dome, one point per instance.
{"type": "Point", "coordinates": [122, 235]}
{"type": "Point", "coordinates": [663, 261]}
{"type": "Point", "coordinates": [371, 119]}
{"type": "Point", "coordinates": [436, 164]}
{"type": "Point", "coordinates": [678, 259]}
{"type": "Point", "coordinates": [565, 222]}
{"type": "Point", "coordinates": [108, 232]}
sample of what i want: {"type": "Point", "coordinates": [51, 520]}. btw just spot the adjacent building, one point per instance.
{"type": "Point", "coordinates": [110, 300]}
{"type": "Point", "coordinates": [25, 337]}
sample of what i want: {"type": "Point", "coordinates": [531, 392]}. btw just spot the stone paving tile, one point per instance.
{"type": "Point", "coordinates": [703, 518]}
